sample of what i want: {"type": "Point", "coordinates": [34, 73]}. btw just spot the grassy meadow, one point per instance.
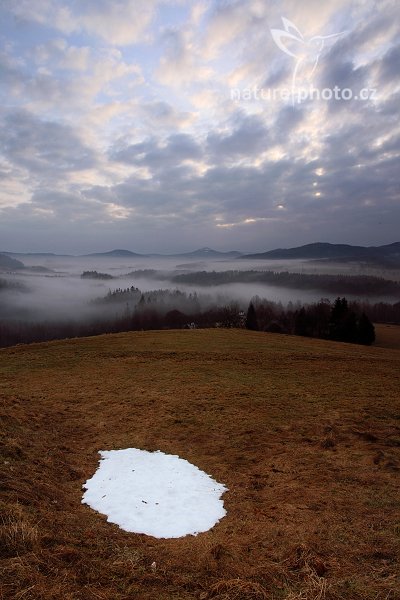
{"type": "Point", "coordinates": [305, 434]}
{"type": "Point", "coordinates": [387, 336]}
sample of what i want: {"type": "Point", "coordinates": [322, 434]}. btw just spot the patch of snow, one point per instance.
{"type": "Point", "coordinates": [154, 493]}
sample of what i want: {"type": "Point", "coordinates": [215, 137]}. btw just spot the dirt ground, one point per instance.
{"type": "Point", "coordinates": [304, 433]}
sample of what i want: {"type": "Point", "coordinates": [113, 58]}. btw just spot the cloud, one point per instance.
{"type": "Point", "coordinates": [248, 137]}
{"type": "Point", "coordinates": [70, 58]}
{"type": "Point", "coordinates": [120, 23]}
{"type": "Point", "coordinates": [389, 66]}
{"type": "Point", "coordinates": [226, 24]}
{"type": "Point", "coordinates": [157, 155]}
{"type": "Point", "coordinates": [182, 61]}
{"type": "Point", "coordinates": [119, 114]}
{"type": "Point", "coordinates": [68, 79]}
{"type": "Point", "coordinates": [43, 148]}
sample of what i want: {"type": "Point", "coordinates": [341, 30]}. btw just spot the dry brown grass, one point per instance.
{"type": "Point", "coordinates": [387, 336]}
{"type": "Point", "coordinates": [17, 534]}
{"type": "Point", "coordinates": [236, 589]}
{"type": "Point", "coordinates": [304, 433]}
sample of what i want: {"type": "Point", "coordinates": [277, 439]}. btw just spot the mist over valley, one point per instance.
{"type": "Point", "coordinates": [113, 286]}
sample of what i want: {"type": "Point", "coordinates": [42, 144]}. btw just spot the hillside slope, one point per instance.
{"type": "Point", "coordinates": [304, 433]}
{"type": "Point", "coordinates": [332, 251]}
{"type": "Point", "coordinates": [10, 264]}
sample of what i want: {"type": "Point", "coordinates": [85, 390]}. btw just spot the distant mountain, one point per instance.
{"type": "Point", "coordinates": [122, 253]}
{"type": "Point", "coordinates": [322, 250]}
{"type": "Point", "coordinates": [115, 253]}
{"type": "Point", "coordinates": [36, 254]}
{"type": "Point", "coordinates": [388, 255]}
{"type": "Point", "coordinates": [200, 253]}
{"type": "Point", "coordinates": [208, 253]}
{"type": "Point", "coordinates": [10, 264]}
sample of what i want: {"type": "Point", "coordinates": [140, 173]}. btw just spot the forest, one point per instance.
{"type": "Point", "coordinates": [365, 285]}
{"type": "Point", "coordinates": [130, 309]}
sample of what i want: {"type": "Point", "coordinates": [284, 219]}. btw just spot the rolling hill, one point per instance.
{"type": "Point", "coordinates": [321, 250]}
{"type": "Point", "coordinates": [208, 253]}
{"type": "Point", "coordinates": [200, 253]}
{"type": "Point", "coordinates": [389, 253]}
{"type": "Point", "coordinates": [10, 264]}
{"type": "Point", "coordinates": [303, 433]}
{"type": "Point", "coordinates": [120, 253]}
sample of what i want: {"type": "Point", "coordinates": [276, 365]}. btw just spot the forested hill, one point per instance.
{"type": "Point", "coordinates": [332, 251]}
{"type": "Point", "coordinates": [363, 285]}
{"type": "Point", "coordinates": [10, 264]}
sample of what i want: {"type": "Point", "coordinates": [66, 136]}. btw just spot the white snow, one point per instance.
{"type": "Point", "coordinates": [154, 493]}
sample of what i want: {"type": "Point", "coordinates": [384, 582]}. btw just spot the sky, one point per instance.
{"type": "Point", "coordinates": [168, 125]}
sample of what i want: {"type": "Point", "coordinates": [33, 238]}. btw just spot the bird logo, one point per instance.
{"type": "Point", "coordinates": [306, 52]}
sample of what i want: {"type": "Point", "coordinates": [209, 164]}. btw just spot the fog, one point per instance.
{"type": "Point", "coordinates": [57, 291]}
{"type": "Point", "coordinates": [116, 266]}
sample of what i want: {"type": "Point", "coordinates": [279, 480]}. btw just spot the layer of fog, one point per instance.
{"type": "Point", "coordinates": [117, 266]}
{"type": "Point", "coordinates": [61, 293]}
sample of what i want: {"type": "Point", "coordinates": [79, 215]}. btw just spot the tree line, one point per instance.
{"type": "Point", "coordinates": [356, 285]}
{"type": "Point", "coordinates": [339, 322]}
{"type": "Point", "coordinates": [133, 310]}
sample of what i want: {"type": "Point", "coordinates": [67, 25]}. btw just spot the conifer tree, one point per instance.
{"type": "Point", "coordinates": [366, 331]}
{"type": "Point", "coordinates": [251, 318]}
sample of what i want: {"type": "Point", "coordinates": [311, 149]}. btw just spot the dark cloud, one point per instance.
{"type": "Point", "coordinates": [43, 147]}
{"type": "Point", "coordinates": [248, 136]}
{"type": "Point", "coordinates": [158, 155]}
{"type": "Point", "coordinates": [278, 77]}
{"type": "Point", "coordinates": [9, 75]}
{"type": "Point", "coordinates": [287, 120]}
{"type": "Point", "coordinates": [390, 66]}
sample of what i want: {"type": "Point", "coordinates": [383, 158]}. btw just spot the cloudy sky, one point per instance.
{"type": "Point", "coordinates": [166, 125]}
